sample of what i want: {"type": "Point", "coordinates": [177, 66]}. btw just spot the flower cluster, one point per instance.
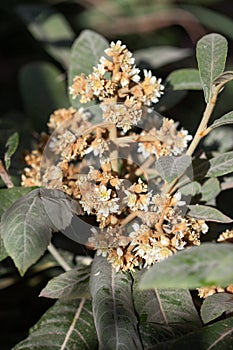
{"type": "Point", "coordinates": [115, 80]}
{"type": "Point", "coordinates": [167, 140]}
{"type": "Point", "coordinates": [150, 239]}
{"type": "Point", "coordinates": [137, 220]}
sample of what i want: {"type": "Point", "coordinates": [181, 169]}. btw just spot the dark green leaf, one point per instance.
{"type": "Point", "coordinates": [226, 119]}
{"type": "Point", "coordinates": [185, 79]}
{"type": "Point", "coordinates": [170, 167]}
{"type": "Point", "coordinates": [217, 336]}
{"type": "Point", "coordinates": [26, 230]}
{"type": "Point", "coordinates": [113, 310]}
{"type": "Point", "coordinates": [215, 20]}
{"type": "Point", "coordinates": [164, 314]}
{"type": "Point", "coordinates": [207, 265]}
{"type": "Point", "coordinates": [50, 28]}
{"type": "Point", "coordinates": [215, 305]}
{"type": "Point", "coordinates": [159, 56]}
{"type": "Point", "coordinates": [7, 197]}
{"type": "Point", "coordinates": [3, 252]}
{"type": "Point", "coordinates": [204, 212]}
{"type": "Point", "coordinates": [63, 212]}
{"type": "Point", "coordinates": [12, 145]}
{"type": "Point", "coordinates": [85, 53]}
{"type": "Point", "coordinates": [44, 96]}
{"type": "Point", "coordinates": [72, 284]}
{"type": "Point", "coordinates": [211, 57]}
{"type": "Point", "coordinates": [66, 325]}
{"type": "Point", "coordinates": [170, 99]}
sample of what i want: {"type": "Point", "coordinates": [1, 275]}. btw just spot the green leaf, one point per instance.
{"type": "Point", "coordinates": [66, 325]}
{"type": "Point", "coordinates": [10, 195]}
{"type": "Point", "coordinates": [164, 314]}
{"type": "Point", "coordinates": [207, 265]}
{"type": "Point", "coordinates": [226, 119]}
{"type": "Point", "coordinates": [220, 165]}
{"type": "Point", "coordinates": [86, 51]}
{"type": "Point", "coordinates": [217, 336]}
{"type": "Point", "coordinates": [203, 212]}
{"type": "Point", "coordinates": [185, 79]}
{"type": "Point", "coordinates": [215, 305]}
{"type": "Point", "coordinates": [72, 284]}
{"type": "Point", "coordinates": [7, 197]}
{"type": "Point", "coordinates": [170, 167]}
{"type": "Point", "coordinates": [210, 189]}
{"type": "Point", "coordinates": [113, 310]}
{"type": "Point", "coordinates": [158, 56]}
{"type": "Point", "coordinates": [46, 95]}
{"type": "Point", "coordinates": [50, 28]}
{"type": "Point", "coordinates": [11, 144]}
{"type": "Point", "coordinates": [3, 252]}
{"type": "Point", "coordinates": [191, 189]}
{"type": "Point", "coordinates": [26, 230]}
{"type": "Point", "coordinates": [219, 140]}
{"type": "Point", "coordinates": [211, 57]}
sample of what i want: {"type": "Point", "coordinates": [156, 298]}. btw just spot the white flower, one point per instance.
{"type": "Point", "coordinates": [204, 228]}
{"type": "Point", "coordinates": [103, 193]}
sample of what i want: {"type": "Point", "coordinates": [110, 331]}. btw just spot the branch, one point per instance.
{"type": "Point", "coordinates": [5, 176]}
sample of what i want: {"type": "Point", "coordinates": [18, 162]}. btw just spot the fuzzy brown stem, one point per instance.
{"type": "Point", "coordinates": [5, 176]}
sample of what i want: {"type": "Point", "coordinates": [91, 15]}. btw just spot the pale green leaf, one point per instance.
{"type": "Point", "coordinates": [220, 165]}
{"type": "Point", "coordinates": [207, 265]}
{"type": "Point", "coordinates": [164, 314]}
{"type": "Point", "coordinates": [12, 145]}
{"type": "Point", "coordinates": [86, 51]}
{"type": "Point", "coordinates": [211, 57]}
{"type": "Point", "coordinates": [217, 336]}
{"type": "Point", "coordinates": [226, 119]}
{"type": "Point", "coordinates": [158, 56]}
{"type": "Point", "coordinates": [191, 189]}
{"type": "Point", "coordinates": [46, 95]}
{"type": "Point", "coordinates": [185, 79]}
{"type": "Point", "coordinates": [219, 140]}
{"type": "Point", "coordinates": [170, 167]}
{"type": "Point", "coordinates": [215, 305]}
{"type": "Point", "coordinates": [26, 230]}
{"type": "Point", "coordinates": [73, 284]}
{"type": "Point", "coordinates": [113, 309]}
{"type": "Point", "coordinates": [210, 189]}
{"type": "Point", "coordinates": [66, 325]}
{"type": "Point", "coordinates": [203, 212]}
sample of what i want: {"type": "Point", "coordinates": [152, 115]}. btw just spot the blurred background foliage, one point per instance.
{"type": "Point", "coordinates": [36, 37]}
